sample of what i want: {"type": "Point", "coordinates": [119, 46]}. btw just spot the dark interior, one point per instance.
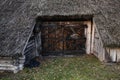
{"type": "Point", "coordinates": [63, 37]}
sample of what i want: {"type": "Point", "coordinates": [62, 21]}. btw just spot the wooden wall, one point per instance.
{"type": "Point", "coordinates": [100, 51]}
{"type": "Point", "coordinates": [114, 54]}
{"type": "Point", "coordinates": [97, 47]}
{"type": "Point", "coordinates": [88, 36]}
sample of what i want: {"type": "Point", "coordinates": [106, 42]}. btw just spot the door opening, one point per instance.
{"type": "Point", "coordinates": [65, 35]}
{"type": "Point", "coordinates": [63, 38]}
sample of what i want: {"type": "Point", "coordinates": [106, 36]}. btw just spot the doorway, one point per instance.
{"type": "Point", "coordinates": [63, 38]}
{"type": "Point", "coordinates": [65, 35]}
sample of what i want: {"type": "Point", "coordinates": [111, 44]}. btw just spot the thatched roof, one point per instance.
{"type": "Point", "coordinates": [17, 18]}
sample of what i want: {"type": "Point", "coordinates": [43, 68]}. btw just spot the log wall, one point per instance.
{"type": "Point", "coordinates": [10, 64]}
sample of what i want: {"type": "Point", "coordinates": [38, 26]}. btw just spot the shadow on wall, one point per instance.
{"type": "Point", "coordinates": [32, 51]}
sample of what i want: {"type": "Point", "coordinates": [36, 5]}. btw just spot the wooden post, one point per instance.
{"type": "Point", "coordinates": [88, 37]}
{"type": "Point", "coordinates": [118, 55]}
{"type": "Point", "coordinates": [113, 55]}
{"type": "Point", "coordinates": [93, 34]}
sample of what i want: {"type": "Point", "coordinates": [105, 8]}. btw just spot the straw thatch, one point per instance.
{"type": "Point", "coordinates": [17, 19]}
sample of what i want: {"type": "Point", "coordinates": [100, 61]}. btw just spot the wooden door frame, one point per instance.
{"type": "Point", "coordinates": [89, 31]}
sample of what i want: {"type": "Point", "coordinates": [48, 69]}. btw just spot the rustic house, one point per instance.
{"type": "Point", "coordinates": [30, 28]}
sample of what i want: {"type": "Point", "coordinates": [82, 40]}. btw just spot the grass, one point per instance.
{"type": "Point", "coordinates": [86, 67]}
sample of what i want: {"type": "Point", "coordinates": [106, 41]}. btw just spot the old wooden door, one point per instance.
{"type": "Point", "coordinates": [61, 38]}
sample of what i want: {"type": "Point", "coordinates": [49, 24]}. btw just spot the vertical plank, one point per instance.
{"type": "Point", "coordinates": [118, 55]}
{"type": "Point", "coordinates": [113, 55]}
{"type": "Point", "coordinates": [88, 40]}
{"type": "Point", "coordinates": [93, 34]}
{"type": "Point", "coordinates": [104, 58]}
{"type": "Point", "coordinates": [85, 32]}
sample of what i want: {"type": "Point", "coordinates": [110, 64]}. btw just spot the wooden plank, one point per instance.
{"type": "Point", "coordinates": [10, 65]}
{"type": "Point", "coordinates": [88, 38]}
{"type": "Point", "coordinates": [113, 55]}
{"type": "Point", "coordinates": [97, 44]}
{"type": "Point", "coordinates": [107, 54]}
{"type": "Point", "coordinates": [104, 52]}
{"type": "Point", "coordinates": [93, 34]}
{"type": "Point", "coordinates": [118, 55]}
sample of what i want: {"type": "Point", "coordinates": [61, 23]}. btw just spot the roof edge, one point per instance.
{"type": "Point", "coordinates": [65, 18]}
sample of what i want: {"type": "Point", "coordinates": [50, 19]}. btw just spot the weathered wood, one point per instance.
{"type": "Point", "coordinates": [13, 65]}
{"type": "Point", "coordinates": [60, 36]}
{"type": "Point", "coordinates": [113, 55]}
{"type": "Point", "coordinates": [88, 37]}
{"type": "Point", "coordinates": [28, 10]}
{"type": "Point", "coordinates": [98, 47]}
{"type": "Point", "coordinates": [118, 55]}
{"type": "Point", "coordinates": [17, 18]}
{"type": "Point", "coordinates": [93, 36]}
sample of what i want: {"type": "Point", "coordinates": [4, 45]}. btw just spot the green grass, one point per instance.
{"type": "Point", "coordinates": [86, 67]}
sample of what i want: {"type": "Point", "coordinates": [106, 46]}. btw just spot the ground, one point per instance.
{"type": "Point", "coordinates": [84, 67]}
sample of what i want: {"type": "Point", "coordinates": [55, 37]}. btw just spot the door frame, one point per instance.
{"type": "Point", "coordinates": [89, 31]}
